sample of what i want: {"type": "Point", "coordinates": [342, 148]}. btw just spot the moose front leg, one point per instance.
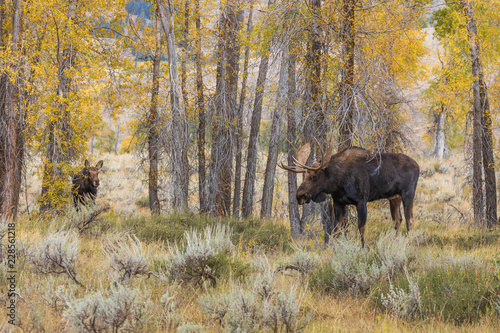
{"type": "Point", "coordinates": [340, 219]}
{"type": "Point", "coordinates": [362, 216]}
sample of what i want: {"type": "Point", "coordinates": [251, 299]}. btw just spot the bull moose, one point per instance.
{"type": "Point", "coordinates": [355, 176]}
{"type": "Point", "coordinates": [85, 183]}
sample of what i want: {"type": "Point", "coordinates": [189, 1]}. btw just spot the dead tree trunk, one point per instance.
{"type": "Point", "coordinates": [274, 138]}
{"type": "Point", "coordinates": [239, 128]}
{"type": "Point", "coordinates": [347, 84]}
{"type": "Point", "coordinates": [153, 126]}
{"type": "Point", "coordinates": [249, 185]}
{"type": "Point", "coordinates": [482, 136]}
{"type": "Point", "coordinates": [179, 133]}
{"type": "Point", "coordinates": [296, 226]}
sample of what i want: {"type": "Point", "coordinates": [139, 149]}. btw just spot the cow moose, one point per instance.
{"type": "Point", "coordinates": [355, 176]}
{"type": "Point", "coordinates": [85, 183]}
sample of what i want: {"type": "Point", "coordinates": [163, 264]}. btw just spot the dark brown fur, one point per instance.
{"type": "Point", "coordinates": [355, 176]}
{"type": "Point", "coordinates": [85, 183]}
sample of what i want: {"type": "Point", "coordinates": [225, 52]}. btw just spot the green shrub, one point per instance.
{"type": "Point", "coordinates": [202, 256]}
{"type": "Point", "coordinates": [127, 256]}
{"type": "Point", "coordinates": [249, 233]}
{"type": "Point", "coordinates": [227, 265]}
{"type": "Point", "coordinates": [353, 269]}
{"type": "Point", "coordinates": [305, 261]}
{"type": "Point", "coordinates": [243, 310]}
{"type": "Point", "coordinates": [142, 202]}
{"type": "Point", "coordinates": [122, 310]}
{"type": "Point", "coordinates": [402, 304]}
{"type": "Point", "coordinates": [468, 242]}
{"type": "Point", "coordinates": [458, 293]}
{"type": "Point", "coordinates": [457, 289]}
{"type": "Point", "coordinates": [56, 254]}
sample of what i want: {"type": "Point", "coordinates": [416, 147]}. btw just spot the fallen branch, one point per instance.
{"type": "Point", "coordinates": [287, 267]}
{"type": "Point", "coordinates": [86, 222]}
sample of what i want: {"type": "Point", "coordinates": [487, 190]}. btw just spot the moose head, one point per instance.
{"type": "Point", "coordinates": [92, 173]}
{"type": "Point", "coordinates": [86, 182]}
{"type": "Point", "coordinates": [316, 176]}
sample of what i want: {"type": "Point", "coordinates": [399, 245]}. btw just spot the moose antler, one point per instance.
{"type": "Point", "coordinates": [301, 158]}
{"type": "Point", "coordinates": [303, 154]}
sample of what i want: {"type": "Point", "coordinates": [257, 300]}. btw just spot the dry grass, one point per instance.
{"type": "Point", "coordinates": [442, 212]}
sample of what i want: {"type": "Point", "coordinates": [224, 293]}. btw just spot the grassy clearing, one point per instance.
{"type": "Point", "coordinates": [183, 273]}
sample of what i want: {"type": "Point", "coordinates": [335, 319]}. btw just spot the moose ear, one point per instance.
{"type": "Point", "coordinates": [99, 164]}
{"type": "Point", "coordinates": [87, 164]}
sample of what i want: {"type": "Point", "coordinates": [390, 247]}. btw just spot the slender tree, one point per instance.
{"type": "Point", "coordinates": [153, 124]}
{"type": "Point", "coordinates": [249, 185]}
{"type": "Point", "coordinates": [347, 34]}
{"type": "Point", "coordinates": [200, 108]}
{"type": "Point", "coordinates": [274, 138]}
{"type": "Point", "coordinates": [59, 151]}
{"type": "Point", "coordinates": [179, 133]}
{"type": "Point", "coordinates": [440, 145]}
{"type": "Point", "coordinates": [241, 106]}
{"type": "Point", "coordinates": [185, 44]}
{"type": "Point", "coordinates": [225, 105]}
{"type": "Point", "coordinates": [11, 120]}
{"type": "Point", "coordinates": [296, 225]}
{"type": "Point", "coordinates": [482, 131]}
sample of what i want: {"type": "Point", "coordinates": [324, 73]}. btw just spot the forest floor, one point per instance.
{"type": "Point", "coordinates": [130, 272]}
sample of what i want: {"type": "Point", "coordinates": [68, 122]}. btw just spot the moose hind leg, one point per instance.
{"type": "Point", "coordinates": [408, 208]}
{"type": "Point", "coordinates": [395, 204]}
{"type": "Point", "coordinates": [362, 216]}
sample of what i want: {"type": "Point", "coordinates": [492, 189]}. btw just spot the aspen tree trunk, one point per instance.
{"type": "Point", "coordinates": [179, 137]}
{"type": "Point", "coordinates": [274, 138]}
{"type": "Point", "coordinates": [234, 57]}
{"type": "Point", "coordinates": [482, 131]}
{"type": "Point", "coordinates": [10, 115]}
{"type": "Point", "coordinates": [249, 185]}
{"type": "Point", "coordinates": [153, 135]}
{"type": "Point", "coordinates": [225, 101]}
{"type": "Point", "coordinates": [200, 108]}
{"type": "Point", "coordinates": [60, 131]}
{"type": "Point", "coordinates": [347, 84]}
{"type": "Point", "coordinates": [184, 57]}
{"type": "Point", "coordinates": [117, 137]}
{"type": "Point", "coordinates": [296, 226]}
{"type": "Point", "coordinates": [440, 137]}
{"type": "Point", "coordinates": [239, 129]}
{"type": "Point", "coordinates": [253, 139]}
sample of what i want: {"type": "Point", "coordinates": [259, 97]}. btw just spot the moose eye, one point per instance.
{"type": "Point", "coordinates": [314, 178]}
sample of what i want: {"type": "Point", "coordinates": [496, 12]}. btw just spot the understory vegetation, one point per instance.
{"type": "Point", "coordinates": [127, 272]}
